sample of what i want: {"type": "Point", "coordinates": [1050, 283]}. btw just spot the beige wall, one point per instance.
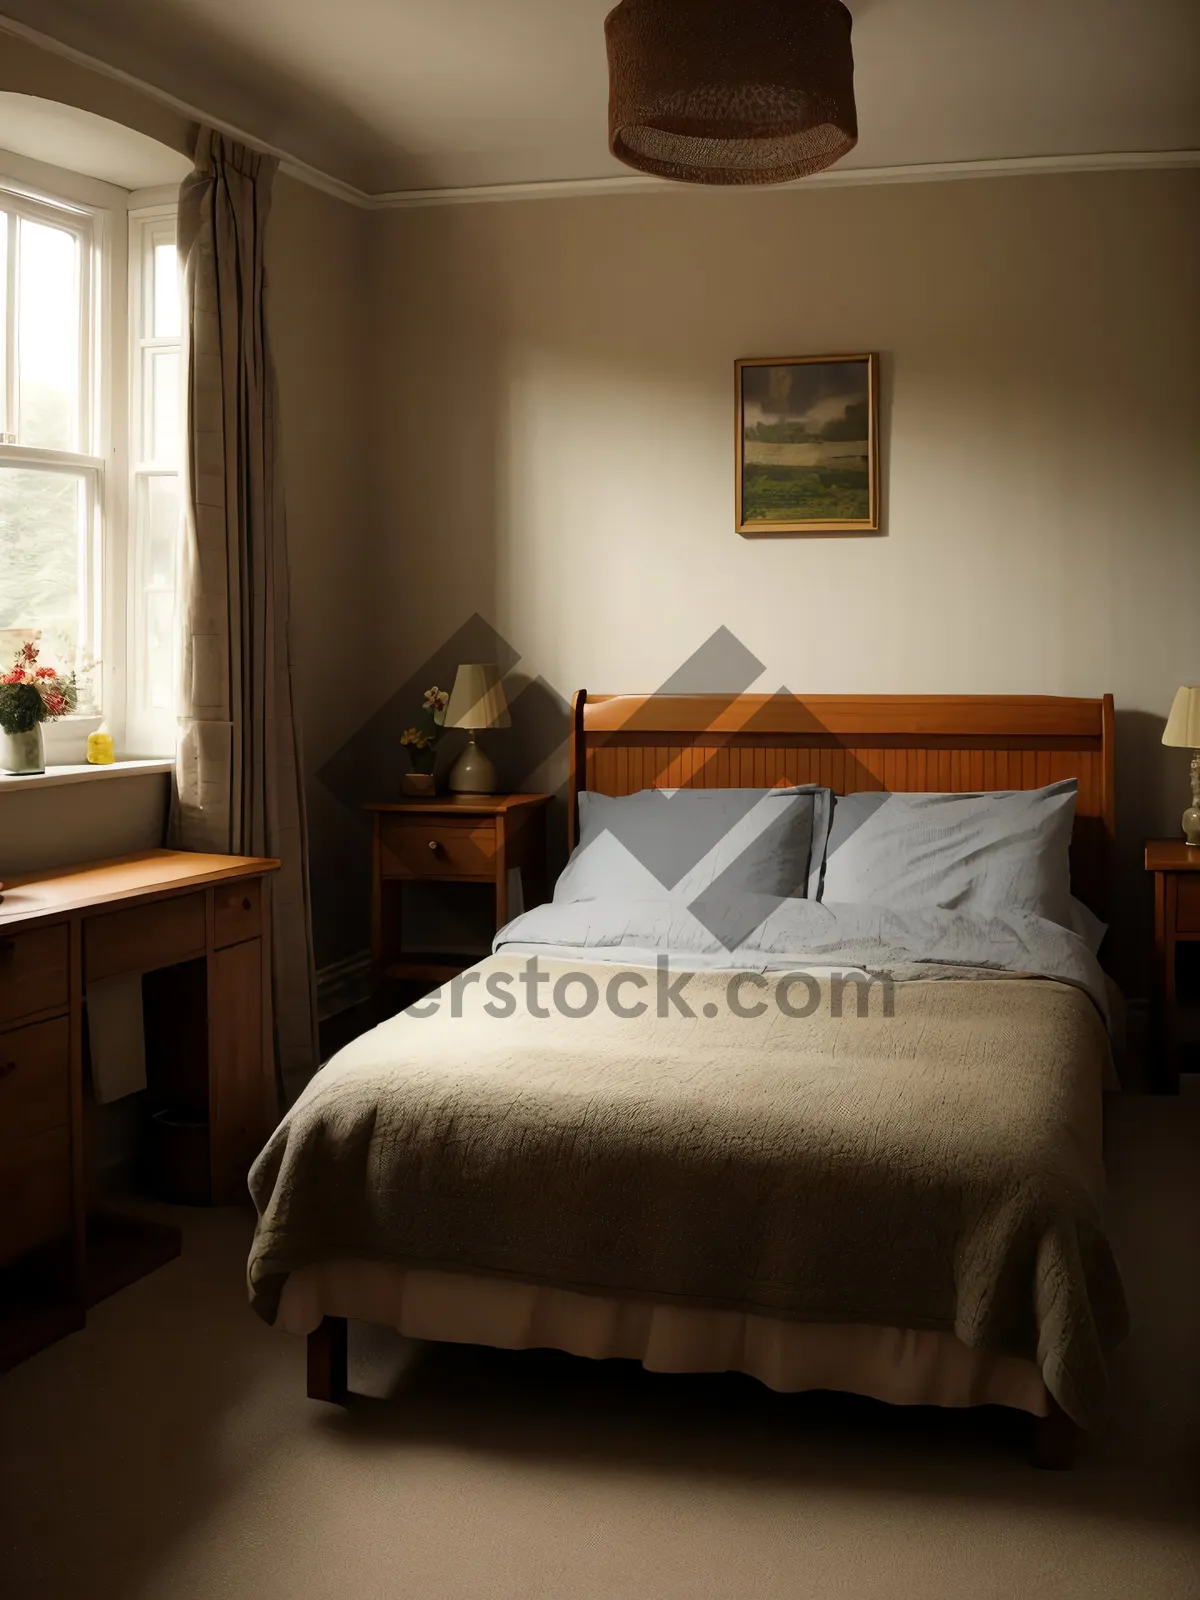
{"type": "Point", "coordinates": [320, 324]}
{"type": "Point", "coordinates": [556, 440]}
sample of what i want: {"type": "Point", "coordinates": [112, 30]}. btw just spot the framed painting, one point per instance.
{"type": "Point", "coordinates": [808, 445]}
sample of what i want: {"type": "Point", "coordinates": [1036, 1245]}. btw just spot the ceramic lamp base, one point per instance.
{"type": "Point", "coordinates": [1191, 817]}
{"type": "Point", "coordinates": [473, 772]}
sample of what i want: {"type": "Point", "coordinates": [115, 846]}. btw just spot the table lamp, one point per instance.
{"type": "Point", "coordinates": [1183, 731]}
{"type": "Point", "coordinates": [477, 701]}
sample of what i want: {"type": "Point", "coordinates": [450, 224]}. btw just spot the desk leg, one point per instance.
{"type": "Point", "coordinates": [236, 1068]}
{"type": "Point", "coordinates": [272, 1097]}
{"type": "Point", "coordinates": [79, 1188]}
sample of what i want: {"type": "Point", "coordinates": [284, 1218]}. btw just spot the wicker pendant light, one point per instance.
{"type": "Point", "coordinates": [731, 91]}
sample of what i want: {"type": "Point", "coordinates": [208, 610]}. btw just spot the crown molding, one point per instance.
{"type": "Point", "coordinates": [833, 178]}
{"type": "Point", "coordinates": [633, 183]}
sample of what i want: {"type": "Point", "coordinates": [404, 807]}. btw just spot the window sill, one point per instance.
{"type": "Point", "coordinates": [55, 776]}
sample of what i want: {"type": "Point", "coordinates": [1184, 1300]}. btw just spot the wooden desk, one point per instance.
{"type": "Point", "coordinates": [201, 921]}
{"type": "Point", "coordinates": [1176, 869]}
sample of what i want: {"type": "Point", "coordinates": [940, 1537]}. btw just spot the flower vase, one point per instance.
{"type": "Point", "coordinates": [23, 753]}
{"type": "Point", "coordinates": [420, 783]}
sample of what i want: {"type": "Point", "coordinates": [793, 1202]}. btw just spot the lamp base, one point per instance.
{"type": "Point", "coordinates": [1191, 817]}
{"type": "Point", "coordinates": [473, 772]}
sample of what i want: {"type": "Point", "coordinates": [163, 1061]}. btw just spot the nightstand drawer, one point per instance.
{"type": "Point", "coordinates": [35, 1193]}
{"type": "Point", "coordinates": [144, 937]}
{"type": "Point", "coordinates": [35, 1090]}
{"type": "Point", "coordinates": [1187, 908]}
{"type": "Point", "coordinates": [33, 972]}
{"type": "Point", "coordinates": [433, 848]}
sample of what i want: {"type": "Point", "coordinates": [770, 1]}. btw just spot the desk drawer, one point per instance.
{"type": "Point", "coordinates": [238, 908]}
{"type": "Point", "coordinates": [35, 1193]}
{"type": "Point", "coordinates": [144, 937]}
{"type": "Point", "coordinates": [33, 972]}
{"type": "Point", "coordinates": [1187, 911]}
{"type": "Point", "coordinates": [437, 849]}
{"type": "Point", "coordinates": [35, 1064]}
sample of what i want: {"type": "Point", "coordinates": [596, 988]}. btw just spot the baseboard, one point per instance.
{"type": "Point", "coordinates": [343, 985]}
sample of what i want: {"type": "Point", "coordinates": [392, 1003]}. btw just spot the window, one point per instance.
{"type": "Point", "coordinates": [90, 454]}
{"type": "Point", "coordinates": [51, 469]}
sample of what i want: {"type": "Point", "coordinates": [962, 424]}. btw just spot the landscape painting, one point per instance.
{"type": "Point", "coordinates": [807, 445]}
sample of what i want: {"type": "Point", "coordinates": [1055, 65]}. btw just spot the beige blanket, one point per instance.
{"type": "Point", "coordinates": [938, 1168]}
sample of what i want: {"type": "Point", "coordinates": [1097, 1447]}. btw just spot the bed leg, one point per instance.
{"type": "Point", "coordinates": [1055, 1437]}
{"type": "Point", "coordinates": [328, 1362]}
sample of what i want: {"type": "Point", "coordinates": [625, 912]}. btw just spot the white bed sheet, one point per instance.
{"type": "Point", "coordinates": [902, 1366]}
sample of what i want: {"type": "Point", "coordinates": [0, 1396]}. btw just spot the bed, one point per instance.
{"type": "Point", "coordinates": [888, 1181]}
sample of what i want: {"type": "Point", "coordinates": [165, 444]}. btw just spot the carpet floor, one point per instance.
{"type": "Point", "coordinates": [168, 1453]}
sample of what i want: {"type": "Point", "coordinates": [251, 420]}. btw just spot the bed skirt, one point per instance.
{"type": "Point", "coordinates": [902, 1366]}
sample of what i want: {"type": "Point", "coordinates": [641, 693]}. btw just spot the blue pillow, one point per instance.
{"type": "Point", "coordinates": [980, 853]}
{"type": "Point", "coordinates": [678, 844]}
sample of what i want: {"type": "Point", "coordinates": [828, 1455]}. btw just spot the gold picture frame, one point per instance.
{"type": "Point", "coordinates": [802, 465]}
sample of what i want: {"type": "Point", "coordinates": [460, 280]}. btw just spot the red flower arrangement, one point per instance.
{"type": "Point", "coordinates": [30, 694]}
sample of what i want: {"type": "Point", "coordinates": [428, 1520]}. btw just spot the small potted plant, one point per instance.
{"type": "Point", "coordinates": [29, 696]}
{"type": "Point", "coordinates": [421, 743]}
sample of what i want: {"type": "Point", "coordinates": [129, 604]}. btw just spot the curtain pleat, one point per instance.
{"type": "Point", "coordinates": [239, 779]}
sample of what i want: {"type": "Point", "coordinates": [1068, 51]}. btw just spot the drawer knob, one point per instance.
{"type": "Point", "coordinates": [245, 902]}
{"type": "Point", "coordinates": [7, 1068]}
{"type": "Point", "coordinates": [434, 845]}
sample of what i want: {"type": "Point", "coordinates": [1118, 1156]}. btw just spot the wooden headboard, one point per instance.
{"type": "Point", "coordinates": [943, 743]}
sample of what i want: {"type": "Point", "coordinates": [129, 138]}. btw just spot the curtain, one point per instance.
{"type": "Point", "coordinates": [239, 783]}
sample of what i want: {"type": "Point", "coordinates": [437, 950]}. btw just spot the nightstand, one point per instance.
{"type": "Point", "coordinates": [1176, 869]}
{"type": "Point", "coordinates": [456, 839]}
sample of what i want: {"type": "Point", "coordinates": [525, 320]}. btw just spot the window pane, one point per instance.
{"type": "Point", "coordinates": [158, 507]}
{"type": "Point", "coordinates": [47, 337]}
{"type": "Point", "coordinates": [43, 547]}
{"type": "Point", "coordinates": [161, 530]}
{"type": "Point", "coordinates": [160, 650]}
{"type": "Point", "coordinates": [162, 424]}
{"type": "Point", "coordinates": [166, 292]}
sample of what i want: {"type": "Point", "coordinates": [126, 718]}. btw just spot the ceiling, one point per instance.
{"type": "Point", "coordinates": [407, 94]}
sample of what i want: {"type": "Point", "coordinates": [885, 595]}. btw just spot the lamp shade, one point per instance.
{"type": "Point", "coordinates": [477, 700]}
{"type": "Point", "coordinates": [1183, 725]}
{"type": "Point", "coordinates": [728, 91]}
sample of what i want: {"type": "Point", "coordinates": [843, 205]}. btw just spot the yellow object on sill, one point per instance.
{"type": "Point", "coordinates": [100, 748]}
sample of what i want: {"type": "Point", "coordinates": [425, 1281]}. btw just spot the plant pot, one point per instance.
{"type": "Point", "coordinates": [421, 785]}
{"type": "Point", "coordinates": [22, 753]}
